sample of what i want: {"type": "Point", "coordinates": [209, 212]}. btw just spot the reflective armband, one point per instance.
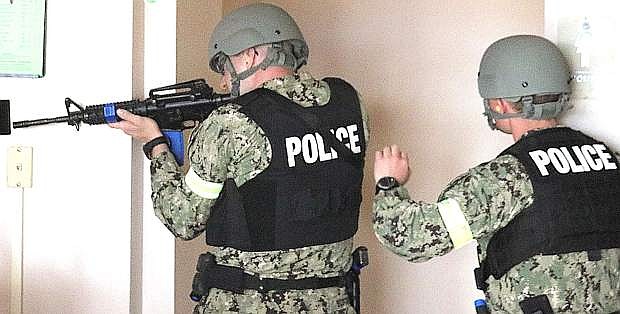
{"type": "Point", "coordinates": [455, 222]}
{"type": "Point", "coordinates": [205, 189]}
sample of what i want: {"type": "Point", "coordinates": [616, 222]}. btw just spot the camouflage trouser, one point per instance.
{"type": "Point", "coordinates": [326, 300]}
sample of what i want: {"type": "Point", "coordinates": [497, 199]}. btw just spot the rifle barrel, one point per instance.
{"type": "Point", "coordinates": [28, 123]}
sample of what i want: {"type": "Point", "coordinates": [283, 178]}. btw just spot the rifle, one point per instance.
{"type": "Point", "coordinates": [175, 108]}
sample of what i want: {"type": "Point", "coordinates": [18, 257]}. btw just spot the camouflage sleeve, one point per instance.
{"type": "Point", "coordinates": [411, 229]}
{"type": "Point", "coordinates": [183, 212]}
{"type": "Point", "coordinates": [489, 196]}
{"type": "Point", "coordinates": [226, 145]}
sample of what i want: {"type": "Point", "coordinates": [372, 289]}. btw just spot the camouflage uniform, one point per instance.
{"type": "Point", "coordinates": [490, 195]}
{"type": "Point", "coordinates": [230, 145]}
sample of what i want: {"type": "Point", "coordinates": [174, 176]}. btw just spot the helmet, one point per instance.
{"type": "Point", "coordinates": [524, 68]}
{"type": "Point", "coordinates": [254, 25]}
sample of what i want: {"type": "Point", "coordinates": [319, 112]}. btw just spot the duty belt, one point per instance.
{"type": "Point", "coordinates": [211, 275]}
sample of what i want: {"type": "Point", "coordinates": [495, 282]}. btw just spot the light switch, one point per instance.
{"type": "Point", "coordinates": [19, 167]}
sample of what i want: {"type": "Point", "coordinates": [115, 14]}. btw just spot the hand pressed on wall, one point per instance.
{"type": "Point", "coordinates": [392, 162]}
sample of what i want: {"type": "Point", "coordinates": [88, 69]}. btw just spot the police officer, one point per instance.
{"type": "Point", "coordinates": [275, 176]}
{"type": "Point", "coordinates": [544, 212]}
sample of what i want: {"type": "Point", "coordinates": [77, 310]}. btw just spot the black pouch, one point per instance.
{"type": "Point", "coordinates": [199, 287]}
{"type": "Point", "coordinates": [352, 277]}
{"type": "Point", "coordinates": [536, 305]}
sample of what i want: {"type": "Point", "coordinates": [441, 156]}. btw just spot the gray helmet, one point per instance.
{"type": "Point", "coordinates": [527, 69]}
{"type": "Point", "coordinates": [255, 25]}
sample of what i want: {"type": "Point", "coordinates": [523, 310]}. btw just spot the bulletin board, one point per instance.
{"type": "Point", "coordinates": [22, 38]}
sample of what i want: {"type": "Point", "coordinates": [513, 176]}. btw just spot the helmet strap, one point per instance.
{"type": "Point", "coordinates": [544, 111]}
{"type": "Point", "coordinates": [531, 110]}
{"type": "Point", "coordinates": [236, 78]}
{"type": "Point", "coordinates": [493, 116]}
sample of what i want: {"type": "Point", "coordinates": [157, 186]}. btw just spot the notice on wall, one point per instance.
{"type": "Point", "coordinates": [22, 38]}
{"type": "Point", "coordinates": [587, 33]}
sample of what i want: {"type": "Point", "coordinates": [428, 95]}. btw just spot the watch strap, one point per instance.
{"type": "Point", "coordinates": [147, 148]}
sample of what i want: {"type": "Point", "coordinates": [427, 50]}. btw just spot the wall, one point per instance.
{"type": "Point", "coordinates": [415, 62]}
{"type": "Point", "coordinates": [77, 214]}
{"type": "Point", "coordinates": [157, 245]}
{"type": "Point", "coordinates": [88, 247]}
{"type": "Point", "coordinates": [195, 19]}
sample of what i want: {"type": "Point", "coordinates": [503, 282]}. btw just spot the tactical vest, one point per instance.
{"type": "Point", "coordinates": [576, 207]}
{"type": "Point", "coordinates": [311, 191]}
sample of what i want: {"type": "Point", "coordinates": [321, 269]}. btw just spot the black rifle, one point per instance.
{"type": "Point", "coordinates": [175, 108]}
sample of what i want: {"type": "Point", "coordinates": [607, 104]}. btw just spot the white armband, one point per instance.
{"type": "Point", "coordinates": [206, 189]}
{"type": "Point", "coordinates": [455, 222]}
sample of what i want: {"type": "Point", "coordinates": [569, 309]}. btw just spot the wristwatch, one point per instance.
{"type": "Point", "coordinates": [148, 147]}
{"type": "Point", "coordinates": [386, 183]}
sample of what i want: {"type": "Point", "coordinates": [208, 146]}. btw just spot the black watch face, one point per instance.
{"type": "Point", "coordinates": [387, 183]}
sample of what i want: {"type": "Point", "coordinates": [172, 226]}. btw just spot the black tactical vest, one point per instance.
{"type": "Point", "coordinates": [311, 191]}
{"type": "Point", "coordinates": [576, 206]}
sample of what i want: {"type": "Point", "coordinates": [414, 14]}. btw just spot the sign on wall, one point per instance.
{"type": "Point", "coordinates": [22, 38]}
{"type": "Point", "coordinates": [587, 33]}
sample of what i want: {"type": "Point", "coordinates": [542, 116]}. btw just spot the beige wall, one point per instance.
{"type": "Point", "coordinates": [415, 62]}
